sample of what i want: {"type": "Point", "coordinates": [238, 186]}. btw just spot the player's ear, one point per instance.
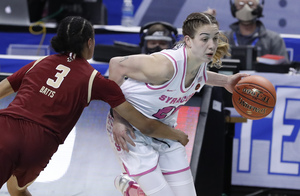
{"type": "Point", "coordinates": [90, 43]}
{"type": "Point", "coordinates": [187, 40]}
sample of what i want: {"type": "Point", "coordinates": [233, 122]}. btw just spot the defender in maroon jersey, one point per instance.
{"type": "Point", "coordinates": [51, 95]}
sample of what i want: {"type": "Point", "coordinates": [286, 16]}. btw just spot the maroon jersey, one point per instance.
{"type": "Point", "coordinates": [53, 92]}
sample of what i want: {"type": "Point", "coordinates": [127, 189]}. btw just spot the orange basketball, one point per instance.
{"type": "Point", "coordinates": [254, 97]}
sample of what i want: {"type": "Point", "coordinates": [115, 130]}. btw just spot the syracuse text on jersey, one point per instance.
{"type": "Point", "coordinates": [173, 100]}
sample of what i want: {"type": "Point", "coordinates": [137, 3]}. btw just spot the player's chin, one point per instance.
{"type": "Point", "coordinates": [208, 58]}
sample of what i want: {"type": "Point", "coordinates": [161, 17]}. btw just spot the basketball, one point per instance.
{"type": "Point", "coordinates": [254, 97]}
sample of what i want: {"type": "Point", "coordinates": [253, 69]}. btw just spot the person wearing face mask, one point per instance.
{"type": "Point", "coordinates": [249, 30]}
{"type": "Point", "coordinates": [156, 36]}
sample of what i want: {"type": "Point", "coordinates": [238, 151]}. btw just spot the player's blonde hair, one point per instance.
{"type": "Point", "coordinates": [196, 20]}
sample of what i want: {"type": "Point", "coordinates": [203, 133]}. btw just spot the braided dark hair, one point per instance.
{"type": "Point", "coordinates": [196, 20]}
{"type": "Point", "coordinates": [72, 33]}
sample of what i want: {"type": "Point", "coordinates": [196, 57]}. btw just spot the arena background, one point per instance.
{"type": "Point", "coordinates": [279, 15]}
{"type": "Point", "coordinates": [265, 153]}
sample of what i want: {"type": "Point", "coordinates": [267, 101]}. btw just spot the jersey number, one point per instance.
{"type": "Point", "coordinates": [59, 76]}
{"type": "Point", "coordinates": [163, 113]}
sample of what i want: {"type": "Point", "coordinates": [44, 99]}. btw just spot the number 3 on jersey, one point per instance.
{"type": "Point", "coordinates": [59, 76]}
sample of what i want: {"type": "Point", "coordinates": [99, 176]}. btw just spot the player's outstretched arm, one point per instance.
{"type": "Point", "coordinates": [5, 88]}
{"type": "Point", "coordinates": [150, 127]}
{"type": "Point", "coordinates": [226, 81]}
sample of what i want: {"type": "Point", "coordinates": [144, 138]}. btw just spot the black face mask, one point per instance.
{"type": "Point", "coordinates": [152, 50]}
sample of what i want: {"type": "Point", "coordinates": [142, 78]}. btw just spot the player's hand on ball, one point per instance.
{"type": "Point", "coordinates": [233, 80]}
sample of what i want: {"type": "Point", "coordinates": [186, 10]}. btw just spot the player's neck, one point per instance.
{"type": "Point", "coordinates": [191, 72]}
{"type": "Point", "coordinates": [247, 28]}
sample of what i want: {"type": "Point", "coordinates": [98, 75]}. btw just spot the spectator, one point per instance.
{"type": "Point", "coordinates": [249, 30]}
{"type": "Point", "coordinates": [156, 36]}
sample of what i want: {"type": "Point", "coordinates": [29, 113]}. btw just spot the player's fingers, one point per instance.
{"type": "Point", "coordinates": [129, 140]}
{"type": "Point", "coordinates": [241, 75]}
{"type": "Point", "coordinates": [131, 132]}
{"type": "Point", "coordinates": [123, 144]}
{"type": "Point", "coordinates": [116, 140]}
{"type": "Point", "coordinates": [120, 142]}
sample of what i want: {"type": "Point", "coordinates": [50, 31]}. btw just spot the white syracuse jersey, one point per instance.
{"type": "Point", "coordinates": [162, 102]}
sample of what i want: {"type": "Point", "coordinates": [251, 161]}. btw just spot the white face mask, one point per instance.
{"type": "Point", "coordinates": [245, 14]}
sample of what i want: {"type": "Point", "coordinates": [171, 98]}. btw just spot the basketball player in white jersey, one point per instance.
{"type": "Point", "coordinates": [157, 85]}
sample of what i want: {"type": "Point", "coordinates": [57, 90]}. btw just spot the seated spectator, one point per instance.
{"type": "Point", "coordinates": [249, 30]}
{"type": "Point", "coordinates": [156, 36]}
